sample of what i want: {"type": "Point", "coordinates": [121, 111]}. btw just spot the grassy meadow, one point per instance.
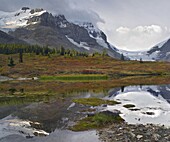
{"type": "Point", "coordinates": [38, 65]}
{"type": "Point", "coordinates": [62, 78]}
{"type": "Point", "coordinates": [65, 75]}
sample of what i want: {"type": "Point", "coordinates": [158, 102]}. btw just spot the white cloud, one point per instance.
{"type": "Point", "coordinates": [126, 21]}
{"type": "Point", "coordinates": [148, 29]}
{"type": "Point", "coordinates": [122, 30]}
{"type": "Point", "coordinates": [139, 37]}
{"type": "Point", "coordinates": [69, 8]}
{"type": "Point", "coordinates": [152, 29]}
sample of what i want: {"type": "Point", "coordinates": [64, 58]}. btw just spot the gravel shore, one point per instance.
{"type": "Point", "coordinates": [134, 133]}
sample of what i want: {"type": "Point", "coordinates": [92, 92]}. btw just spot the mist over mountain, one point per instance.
{"type": "Point", "coordinates": [38, 26]}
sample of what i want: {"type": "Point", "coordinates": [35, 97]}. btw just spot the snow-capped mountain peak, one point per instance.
{"type": "Point", "coordinates": [13, 20]}
{"type": "Point", "coordinates": [160, 51]}
{"type": "Point", "coordinates": [95, 33]}
{"type": "Point", "coordinates": [81, 36]}
{"type": "Point", "coordinates": [90, 27]}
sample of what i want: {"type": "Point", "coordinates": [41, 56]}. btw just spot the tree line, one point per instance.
{"type": "Point", "coordinates": [38, 50]}
{"type": "Point", "coordinates": [42, 50]}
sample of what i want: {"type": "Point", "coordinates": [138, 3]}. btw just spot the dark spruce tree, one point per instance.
{"type": "Point", "coordinates": [141, 61]}
{"type": "Point", "coordinates": [38, 50]}
{"type": "Point", "coordinates": [21, 56]}
{"type": "Point", "coordinates": [11, 62]}
{"type": "Point", "coordinates": [62, 51]}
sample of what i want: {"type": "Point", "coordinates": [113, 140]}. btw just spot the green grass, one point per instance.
{"type": "Point", "coordinates": [129, 106]}
{"type": "Point", "coordinates": [99, 120]}
{"type": "Point", "coordinates": [9, 100]}
{"type": "Point", "coordinates": [94, 101]}
{"type": "Point", "coordinates": [38, 65]}
{"type": "Point", "coordinates": [79, 77]}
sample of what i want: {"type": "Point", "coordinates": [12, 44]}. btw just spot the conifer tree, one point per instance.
{"type": "Point", "coordinates": [11, 62]}
{"type": "Point", "coordinates": [141, 61]}
{"type": "Point", "coordinates": [20, 57]}
{"type": "Point", "coordinates": [62, 51]}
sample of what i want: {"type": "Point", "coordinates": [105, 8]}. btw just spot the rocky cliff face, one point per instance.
{"type": "Point", "coordinates": [56, 31]}
{"type": "Point", "coordinates": [37, 26]}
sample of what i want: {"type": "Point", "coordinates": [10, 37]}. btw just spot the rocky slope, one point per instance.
{"type": "Point", "coordinates": [161, 51]}
{"type": "Point", "coordinates": [5, 38]}
{"type": "Point", "coordinates": [37, 26]}
{"type": "Point", "coordinates": [134, 133]}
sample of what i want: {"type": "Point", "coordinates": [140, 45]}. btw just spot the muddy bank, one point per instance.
{"type": "Point", "coordinates": [134, 133]}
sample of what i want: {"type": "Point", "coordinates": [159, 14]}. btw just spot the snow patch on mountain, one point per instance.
{"type": "Point", "coordinates": [156, 53]}
{"type": "Point", "coordinates": [168, 53]}
{"type": "Point", "coordinates": [90, 37]}
{"type": "Point", "coordinates": [81, 45]}
{"type": "Point", "coordinates": [13, 20]}
{"type": "Point", "coordinates": [94, 33]}
{"type": "Point", "coordinates": [159, 45]}
{"type": "Point", "coordinates": [62, 25]}
{"type": "Point", "coordinates": [139, 55]}
{"type": "Point", "coordinates": [161, 50]}
{"type": "Point", "coordinates": [101, 42]}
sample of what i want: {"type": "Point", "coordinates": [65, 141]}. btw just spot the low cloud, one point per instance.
{"type": "Point", "coordinates": [129, 24]}
{"type": "Point", "coordinates": [148, 29]}
{"type": "Point", "coordinates": [122, 30]}
{"type": "Point", "coordinates": [152, 29]}
{"type": "Point", "coordinates": [65, 7]}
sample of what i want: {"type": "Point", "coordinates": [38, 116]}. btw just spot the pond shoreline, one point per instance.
{"type": "Point", "coordinates": [62, 99]}
{"type": "Point", "coordinates": [5, 78]}
{"type": "Point", "coordinates": [114, 133]}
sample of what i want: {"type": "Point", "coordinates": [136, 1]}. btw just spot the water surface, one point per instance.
{"type": "Point", "coordinates": [151, 104]}
{"type": "Point", "coordinates": [49, 121]}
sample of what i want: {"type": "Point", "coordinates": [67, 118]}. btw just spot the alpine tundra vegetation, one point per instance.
{"type": "Point", "coordinates": [70, 73]}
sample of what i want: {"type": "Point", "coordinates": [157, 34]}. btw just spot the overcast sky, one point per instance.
{"type": "Point", "coordinates": [129, 24]}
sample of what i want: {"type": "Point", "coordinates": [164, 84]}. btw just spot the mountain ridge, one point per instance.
{"type": "Point", "coordinates": [162, 50]}
{"type": "Point", "coordinates": [159, 52]}
{"type": "Point", "coordinates": [5, 38]}
{"type": "Point", "coordinates": [37, 26]}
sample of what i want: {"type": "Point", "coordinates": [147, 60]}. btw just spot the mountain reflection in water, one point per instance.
{"type": "Point", "coordinates": [52, 118]}
{"type": "Point", "coordinates": [142, 104]}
